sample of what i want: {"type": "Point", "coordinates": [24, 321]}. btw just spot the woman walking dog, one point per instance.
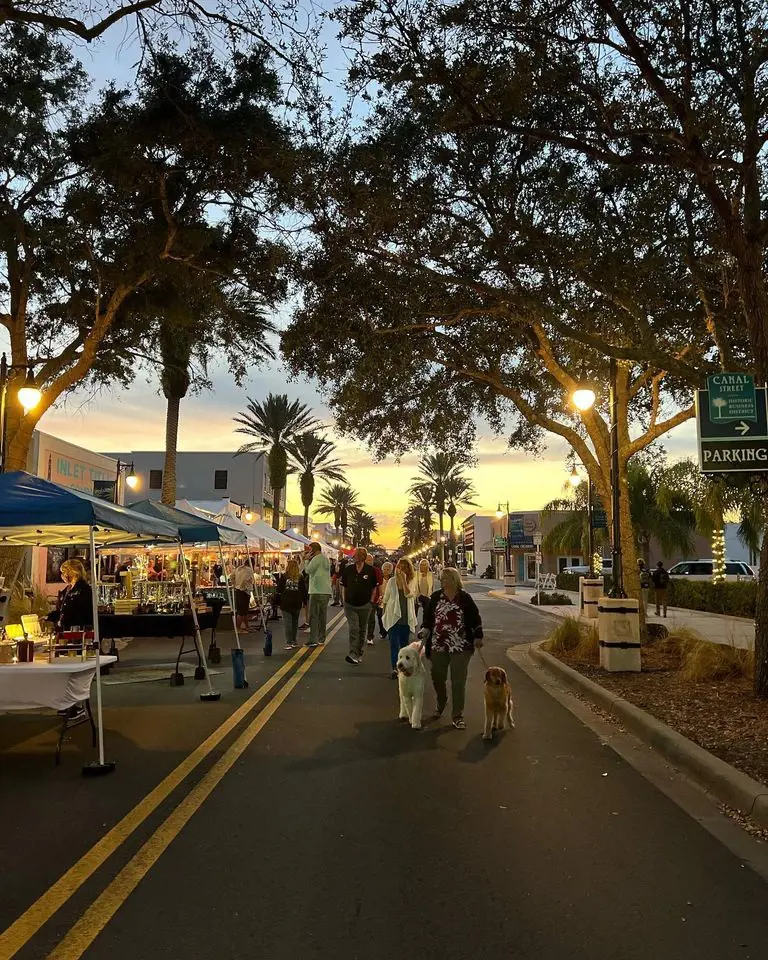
{"type": "Point", "coordinates": [452, 631]}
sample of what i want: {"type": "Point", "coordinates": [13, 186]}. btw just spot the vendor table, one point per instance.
{"type": "Point", "coordinates": [60, 685]}
{"type": "Point", "coordinates": [114, 626]}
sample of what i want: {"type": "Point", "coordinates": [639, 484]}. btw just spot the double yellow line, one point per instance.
{"type": "Point", "coordinates": [96, 917]}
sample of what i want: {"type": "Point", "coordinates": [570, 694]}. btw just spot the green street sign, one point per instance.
{"type": "Point", "coordinates": [731, 444]}
{"type": "Point", "coordinates": [731, 397]}
{"type": "Point", "coordinates": [499, 541]}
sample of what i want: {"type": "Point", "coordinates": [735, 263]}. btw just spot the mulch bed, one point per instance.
{"type": "Point", "coordinates": [723, 716]}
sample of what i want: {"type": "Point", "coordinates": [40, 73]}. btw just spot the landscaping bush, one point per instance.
{"type": "Point", "coordinates": [589, 646]}
{"type": "Point", "coordinates": [735, 598]}
{"type": "Point", "coordinates": [570, 581]}
{"type": "Point", "coordinates": [552, 600]}
{"type": "Point", "coordinates": [703, 661]}
{"type": "Point", "coordinates": [566, 636]}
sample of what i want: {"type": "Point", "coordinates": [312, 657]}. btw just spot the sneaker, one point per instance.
{"type": "Point", "coordinates": [370, 643]}
{"type": "Point", "coordinates": [291, 646]}
{"type": "Point", "coordinates": [321, 643]}
{"type": "Point", "coordinates": [438, 711]}
{"type": "Point", "coordinates": [310, 645]}
{"type": "Point", "coordinates": [350, 658]}
{"type": "Point", "coordinates": [459, 723]}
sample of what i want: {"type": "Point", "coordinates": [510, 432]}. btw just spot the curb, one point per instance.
{"type": "Point", "coordinates": [724, 782]}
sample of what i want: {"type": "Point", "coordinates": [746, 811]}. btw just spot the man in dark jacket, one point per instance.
{"type": "Point", "coordinates": [660, 579]}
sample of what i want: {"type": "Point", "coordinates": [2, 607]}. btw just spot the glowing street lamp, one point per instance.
{"type": "Point", "coordinates": [29, 396]}
{"type": "Point", "coordinates": [583, 398]}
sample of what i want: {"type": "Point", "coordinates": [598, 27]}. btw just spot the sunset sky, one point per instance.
{"type": "Point", "coordinates": [134, 420]}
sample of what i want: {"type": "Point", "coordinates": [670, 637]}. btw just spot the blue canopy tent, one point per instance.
{"type": "Point", "coordinates": [37, 513]}
{"type": "Point", "coordinates": [193, 528]}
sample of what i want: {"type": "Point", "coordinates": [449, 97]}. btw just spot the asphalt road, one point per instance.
{"type": "Point", "coordinates": [341, 834]}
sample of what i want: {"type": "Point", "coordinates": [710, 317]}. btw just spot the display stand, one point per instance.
{"type": "Point", "coordinates": [100, 767]}
{"type": "Point", "coordinates": [202, 671]}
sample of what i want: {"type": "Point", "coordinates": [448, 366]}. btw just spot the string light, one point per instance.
{"type": "Point", "coordinates": [718, 556]}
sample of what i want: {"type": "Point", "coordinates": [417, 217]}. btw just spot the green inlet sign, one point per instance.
{"type": "Point", "coordinates": [732, 396]}
{"type": "Point", "coordinates": [732, 425]}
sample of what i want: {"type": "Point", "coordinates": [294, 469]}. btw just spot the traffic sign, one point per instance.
{"type": "Point", "coordinates": [732, 396]}
{"type": "Point", "coordinates": [499, 541]}
{"type": "Point", "coordinates": [732, 428]}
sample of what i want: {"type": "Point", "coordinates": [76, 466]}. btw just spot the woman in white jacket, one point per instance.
{"type": "Point", "coordinates": [400, 609]}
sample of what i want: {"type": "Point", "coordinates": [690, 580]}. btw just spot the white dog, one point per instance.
{"type": "Point", "coordinates": [411, 679]}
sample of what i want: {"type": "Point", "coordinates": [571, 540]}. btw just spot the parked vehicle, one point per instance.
{"type": "Point", "coordinates": [702, 570]}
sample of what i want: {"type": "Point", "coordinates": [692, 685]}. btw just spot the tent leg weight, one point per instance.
{"type": "Point", "coordinates": [214, 654]}
{"type": "Point", "coordinates": [96, 769]}
{"type": "Point", "coordinates": [210, 697]}
{"type": "Point", "coordinates": [200, 673]}
{"type": "Point", "coordinates": [177, 680]}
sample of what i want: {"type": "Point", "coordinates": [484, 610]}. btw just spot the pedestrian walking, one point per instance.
{"type": "Point", "coordinates": [387, 570]}
{"type": "Point", "coordinates": [453, 630]}
{"type": "Point", "coordinates": [291, 602]}
{"type": "Point", "coordinates": [425, 586]}
{"type": "Point", "coordinates": [318, 570]}
{"type": "Point", "coordinates": [243, 583]}
{"type": "Point", "coordinates": [377, 597]}
{"type": "Point", "coordinates": [358, 588]}
{"type": "Point", "coordinates": [645, 583]}
{"type": "Point", "coordinates": [660, 579]}
{"type": "Point", "coordinates": [338, 569]}
{"type": "Point", "coordinates": [400, 610]}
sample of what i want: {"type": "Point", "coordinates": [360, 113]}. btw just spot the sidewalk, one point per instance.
{"type": "Point", "coordinates": [731, 631]}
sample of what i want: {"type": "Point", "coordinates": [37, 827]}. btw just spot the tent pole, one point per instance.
{"type": "Point", "coordinates": [100, 766]}
{"type": "Point", "coordinates": [211, 694]}
{"type": "Point", "coordinates": [230, 595]}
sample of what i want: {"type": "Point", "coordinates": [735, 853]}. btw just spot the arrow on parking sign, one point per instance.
{"type": "Point", "coordinates": [742, 428]}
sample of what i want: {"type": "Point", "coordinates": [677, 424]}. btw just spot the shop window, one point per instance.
{"type": "Point", "coordinates": [220, 479]}
{"type": "Point", "coordinates": [155, 479]}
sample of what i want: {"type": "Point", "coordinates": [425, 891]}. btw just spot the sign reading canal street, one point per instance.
{"type": "Point", "coordinates": [732, 425]}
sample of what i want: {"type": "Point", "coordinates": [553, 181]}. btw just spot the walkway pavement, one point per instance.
{"type": "Point", "coordinates": [730, 631]}
{"type": "Point", "coordinates": [336, 833]}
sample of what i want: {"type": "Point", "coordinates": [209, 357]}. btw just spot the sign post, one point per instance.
{"type": "Point", "coordinates": [537, 543]}
{"type": "Point", "coordinates": [732, 425]}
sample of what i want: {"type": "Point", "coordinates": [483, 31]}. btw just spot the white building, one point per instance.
{"type": "Point", "coordinates": [73, 467]}
{"type": "Point", "coordinates": [241, 478]}
{"type": "Point", "coordinates": [474, 535]}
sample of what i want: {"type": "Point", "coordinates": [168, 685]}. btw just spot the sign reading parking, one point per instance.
{"type": "Point", "coordinates": [732, 425]}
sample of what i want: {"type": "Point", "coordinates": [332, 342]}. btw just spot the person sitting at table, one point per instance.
{"type": "Point", "coordinates": [75, 600]}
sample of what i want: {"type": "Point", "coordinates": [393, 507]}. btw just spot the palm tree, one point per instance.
{"type": "Point", "coordinates": [313, 456]}
{"type": "Point", "coordinates": [336, 501]}
{"type": "Point", "coordinates": [416, 526]}
{"type": "Point", "coordinates": [459, 491]}
{"type": "Point", "coordinates": [436, 469]}
{"type": "Point", "coordinates": [175, 342]}
{"type": "Point", "coordinates": [363, 526]}
{"type": "Point", "coordinates": [422, 498]}
{"type": "Point", "coordinates": [274, 423]}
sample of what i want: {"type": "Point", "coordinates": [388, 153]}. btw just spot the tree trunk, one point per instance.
{"type": "Point", "coordinates": [276, 491]}
{"type": "Point", "coordinates": [19, 433]}
{"type": "Point", "coordinates": [171, 441]}
{"type": "Point", "coordinates": [441, 552]}
{"type": "Point", "coordinates": [306, 520]}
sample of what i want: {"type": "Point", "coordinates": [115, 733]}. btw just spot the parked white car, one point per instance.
{"type": "Point", "coordinates": [702, 570]}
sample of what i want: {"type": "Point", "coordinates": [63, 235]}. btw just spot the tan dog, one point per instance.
{"type": "Point", "coordinates": [498, 701]}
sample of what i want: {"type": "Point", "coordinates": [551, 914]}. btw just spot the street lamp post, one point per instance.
{"type": "Point", "coordinates": [617, 587]}
{"type": "Point", "coordinates": [29, 396]}
{"type": "Point", "coordinates": [131, 480]}
{"type": "Point", "coordinates": [575, 481]}
{"type": "Point", "coordinates": [508, 539]}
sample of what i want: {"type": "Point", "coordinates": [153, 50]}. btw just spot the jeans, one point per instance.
{"type": "Point", "coordinates": [458, 663]}
{"type": "Point", "coordinates": [357, 618]}
{"type": "Point", "coordinates": [372, 620]}
{"type": "Point", "coordinates": [661, 600]}
{"type": "Point", "coordinates": [291, 621]}
{"type": "Point", "coordinates": [318, 616]}
{"type": "Point", "coordinates": [398, 638]}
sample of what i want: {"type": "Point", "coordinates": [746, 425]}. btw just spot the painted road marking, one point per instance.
{"type": "Point", "coordinates": [26, 926]}
{"type": "Point", "coordinates": [109, 901]}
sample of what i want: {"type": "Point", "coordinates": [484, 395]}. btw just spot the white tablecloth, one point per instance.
{"type": "Point", "coordinates": [59, 685]}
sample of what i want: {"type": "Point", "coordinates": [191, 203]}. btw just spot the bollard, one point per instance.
{"type": "Point", "coordinates": [509, 583]}
{"type": "Point", "coordinates": [591, 592]}
{"type": "Point", "coordinates": [618, 625]}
